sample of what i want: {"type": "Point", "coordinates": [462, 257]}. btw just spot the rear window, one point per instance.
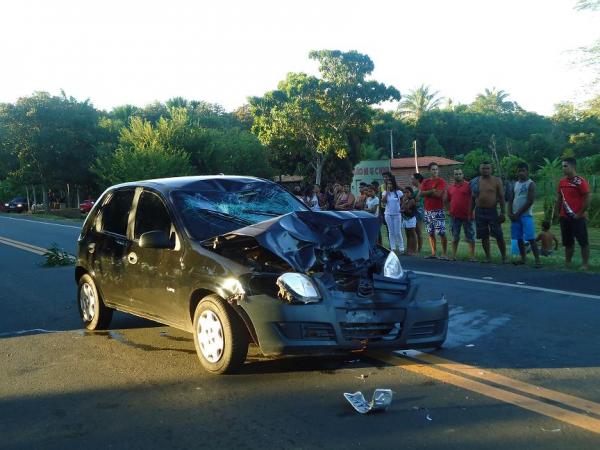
{"type": "Point", "coordinates": [115, 213]}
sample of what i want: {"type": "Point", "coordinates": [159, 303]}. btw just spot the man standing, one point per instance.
{"type": "Point", "coordinates": [520, 206]}
{"type": "Point", "coordinates": [432, 189]}
{"type": "Point", "coordinates": [458, 199]}
{"type": "Point", "coordinates": [573, 200]}
{"type": "Point", "coordinates": [488, 192]}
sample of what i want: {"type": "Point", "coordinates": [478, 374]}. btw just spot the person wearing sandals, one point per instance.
{"type": "Point", "coordinates": [520, 207]}
{"type": "Point", "coordinates": [409, 220]}
{"type": "Point", "coordinates": [391, 198]}
{"type": "Point", "coordinates": [458, 200]}
{"type": "Point", "coordinates": [432, 189]}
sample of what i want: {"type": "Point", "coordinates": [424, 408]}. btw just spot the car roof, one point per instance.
{"type": "Point", "coordinates": [201, 182]}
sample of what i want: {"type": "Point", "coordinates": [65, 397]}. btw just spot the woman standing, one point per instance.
{"type": "Point", "coordinates": [409, 220]}
{"type": "Point", "coordinates": [345, 201]}
{"type": "Point", "coordinates": [391, 198]}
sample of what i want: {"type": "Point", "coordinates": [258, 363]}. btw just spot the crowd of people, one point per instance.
{"type": "Point", "coordinates": [478, 207]}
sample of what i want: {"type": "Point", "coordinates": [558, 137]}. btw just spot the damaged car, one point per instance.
{"type": "Point", "coordinates": [237, 260]}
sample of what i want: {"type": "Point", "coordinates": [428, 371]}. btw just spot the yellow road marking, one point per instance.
{"type": "Point", "coordinates": [477, 372]}
{"type": "Point", "coordinates": [521, 401]}
{"type": "Point", "coordinates": [23, 246]}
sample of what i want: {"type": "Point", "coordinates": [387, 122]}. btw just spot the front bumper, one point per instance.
{"type": "Point", "coordinates": [344, 322]}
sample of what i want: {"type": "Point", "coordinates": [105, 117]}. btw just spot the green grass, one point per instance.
{"type": "Point", "coordinates": [556, 261]}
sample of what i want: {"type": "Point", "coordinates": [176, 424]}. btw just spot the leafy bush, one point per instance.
{"type": "Point", "coordinates": [594, 211]}
{"type": "Point", "coordinates": [56, 256]}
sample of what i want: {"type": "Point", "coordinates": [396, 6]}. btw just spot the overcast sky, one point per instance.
{"type": "Point", "coordinates": [118, 52]}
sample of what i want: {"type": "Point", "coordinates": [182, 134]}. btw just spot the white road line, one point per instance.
{"type": "Point", "coordinates": [23, 246]}
{"type": "Point", "coordinates": [39, 221]}
{"type": "Point", "coordinates": [518, 286]}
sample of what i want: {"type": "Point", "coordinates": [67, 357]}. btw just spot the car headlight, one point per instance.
{"type": "Point", "coordinates": [297, 288]}
{"type": "Point", "coordinates": [392, 267]}
{"type": "Point", "coordinates": [6, 204]}
{"type": "Point", "coordinates": [19, 205]}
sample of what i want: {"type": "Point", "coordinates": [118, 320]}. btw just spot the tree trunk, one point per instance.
{"type": "Point", "coordinates": [318, 165]}
{"type": "Point", "coordinates": [28, 202]}
{"type": "Point", "coordinates": [46, 199]}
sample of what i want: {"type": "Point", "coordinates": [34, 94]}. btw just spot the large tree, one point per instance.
{"type": "Point", "coordinates": [494, 101]}
{"type": "Point", "coordinates": [53, 138]}
{"type": "Point", "coordinates": [315, 118]}
{"type": "Point", "coordinates": [418, 102]}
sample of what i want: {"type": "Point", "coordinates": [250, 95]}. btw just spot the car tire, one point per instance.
{"type": "Point", "coordinates": [92, 310]}
{"type": "Point", "coordinates": [220, 336]}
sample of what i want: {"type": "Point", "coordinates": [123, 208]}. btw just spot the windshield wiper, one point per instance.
{"type": "Point", "coordinates": [264, 213]}
{"type": "Point", "coordinates": [222, 215]}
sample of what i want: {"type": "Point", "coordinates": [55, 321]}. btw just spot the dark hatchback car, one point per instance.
{"type": "Point", "coordinates": [17, 204]}
{"type": "Point", "coordinates": [235, 260]}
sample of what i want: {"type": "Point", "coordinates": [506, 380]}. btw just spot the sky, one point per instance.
{"type": "Point", "coordinates": [138, 52]}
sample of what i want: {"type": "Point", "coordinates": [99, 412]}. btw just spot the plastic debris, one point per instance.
{"type": "Point", "coordinates": [382, 398]}
{"type": "Point", "coordinates": [363, 377]}
{"type": "Point", "coordinates": [428, 417]}
{"type": "Point", "coordinates": [470, 345]}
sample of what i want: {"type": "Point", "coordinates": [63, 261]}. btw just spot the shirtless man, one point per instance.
{"type": "Point", "coordinates": [487, 193]}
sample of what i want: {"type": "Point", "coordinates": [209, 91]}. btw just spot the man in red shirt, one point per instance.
{"type": "Point", "coordinates": [432, 189]}
{"type": "Point", "coordinates": [573, 199]}
{"type": "Point", "coordinates": [458, 200]}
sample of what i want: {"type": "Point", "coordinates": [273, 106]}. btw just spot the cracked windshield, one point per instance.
{"type": "Point", "coordinates": [228, 206]}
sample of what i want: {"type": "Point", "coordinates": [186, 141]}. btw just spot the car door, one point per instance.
{"type": "Point", "coordinates": [110, 246]}
{"type": "Point", "coordinates": [154, 275]}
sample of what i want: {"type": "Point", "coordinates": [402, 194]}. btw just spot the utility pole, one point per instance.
{"type": "Point", "coordinates": [416, 158]}
{"type": "Point", "coordinates": [391, 145]}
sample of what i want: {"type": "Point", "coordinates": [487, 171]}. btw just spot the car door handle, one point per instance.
{"type": "Point", "coordinates": [91, 247]}
{"type": "Point", "coordinates": [132, 258]}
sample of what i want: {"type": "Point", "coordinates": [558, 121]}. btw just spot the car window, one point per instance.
{"type": "Point", "coordinates": [115, 214]}
{"type": "Point", "coordinates": [219, 208]}
{"type": "Point", "coordinates": [151, 215]}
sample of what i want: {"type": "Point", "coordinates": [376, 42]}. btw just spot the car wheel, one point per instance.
{"type": "Point", "coordinates": [94, 313]}
{"type": "Point", "coordinates": [220, 336]}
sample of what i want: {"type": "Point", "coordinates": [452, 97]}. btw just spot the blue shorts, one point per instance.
{"type": "Point", "coordinates": [523, 229]}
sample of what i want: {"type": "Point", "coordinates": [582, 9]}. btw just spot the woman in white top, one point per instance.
{"type": "Point", "coordinates": [391, 198]}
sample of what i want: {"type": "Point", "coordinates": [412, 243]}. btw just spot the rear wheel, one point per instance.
{"type": "Point", "coordinates": [220, 336]}
{"type": "Point", "coordinates": [94, 313]}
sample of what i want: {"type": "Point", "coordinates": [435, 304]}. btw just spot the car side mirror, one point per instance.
{"type": "Point", "coordinates": [156, 239]}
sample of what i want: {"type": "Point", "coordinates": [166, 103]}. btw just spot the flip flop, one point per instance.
{"type": "Point", "coordinates": [431, 257]}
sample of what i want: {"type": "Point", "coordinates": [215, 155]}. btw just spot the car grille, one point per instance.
{"type": "Point", "coordinates": [307, 330]}
{"type": "Point", "coordinates": [425, 329]}
{"type": "Point", "coordinates": [370, 330]}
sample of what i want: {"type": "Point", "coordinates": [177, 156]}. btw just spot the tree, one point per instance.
{"type": "Point", "coordinates": [53, 138]}
{"type": "Point", "coordinates": [494, 102]}
{"type": "Point", "coordinates": [433, 147]}
{"type": "Point", "coordinates": [473, 159]}
{"type": "Point", "coordinates": [418, 102]}
{"type": "Point", "coordinates": [314, 118]}
{"type": "Point", "coordinates": [146, 151]}
{"type": "Point", "coordinates": [509, 166]}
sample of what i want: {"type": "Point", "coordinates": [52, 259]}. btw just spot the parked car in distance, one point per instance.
{"type": "Point", "coordinates": [235, 260]}
{"type": "Point", "coordinates": [17, 204]}
{"type": "Point", "coordinates": [86, 206]}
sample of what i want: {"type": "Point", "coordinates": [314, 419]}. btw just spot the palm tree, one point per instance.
{"type": "Point", "coordinates": [418, 102]}
{"type": "Point", "coordinates": [494, 101]}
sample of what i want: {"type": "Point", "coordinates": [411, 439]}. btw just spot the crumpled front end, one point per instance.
{"type": "Point", "coordinates": [345, 303]}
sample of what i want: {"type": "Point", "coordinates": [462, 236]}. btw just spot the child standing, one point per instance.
{"type": "Point", "coordinates": [547, 239]}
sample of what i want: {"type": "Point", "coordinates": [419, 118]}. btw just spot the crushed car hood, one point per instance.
{"type": "Point", "coordinates": [304, 237]}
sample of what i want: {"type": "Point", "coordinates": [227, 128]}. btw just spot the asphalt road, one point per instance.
{"type": "Point", "coordinates": [520, 369]}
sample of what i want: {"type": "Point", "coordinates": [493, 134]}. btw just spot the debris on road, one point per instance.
{"type": "Point", "coordinates": [363, 376]}
{"type": "Point", "coordinates": [488, 278]}
{"type": "Point", "coordinates": [470, 345]}
{"type": "Point", "coordinates": [428, 417]}
{"type": "Point", "coordinates": [382, 398]}
{"type": "Point", "coordinates": [555, 430]}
